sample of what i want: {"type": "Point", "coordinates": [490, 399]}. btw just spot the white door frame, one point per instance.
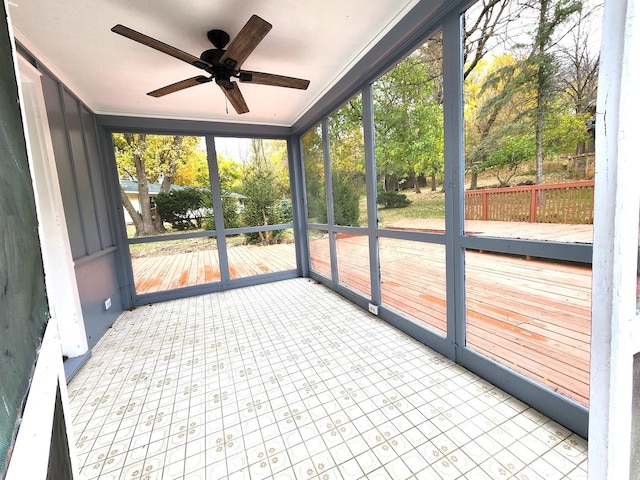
{"type": "Point", "coordinates": [60, 275]}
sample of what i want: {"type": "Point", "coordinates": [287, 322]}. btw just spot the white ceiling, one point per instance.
{"type": "Point", "coordinates": [316, 40]}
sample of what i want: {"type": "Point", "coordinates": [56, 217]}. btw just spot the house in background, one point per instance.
{"type": "Point", "coordinates": [130, 188]}
{"type": "Point", "coordinates": [88, 281]}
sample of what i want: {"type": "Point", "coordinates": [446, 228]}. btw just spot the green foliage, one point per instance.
{"type": "Point", "coordinates": [509, 153]}
{"type": "Point", "coordinates": [180, 158]}
{"type": "Point", "coordinates": [392, 199]}
{"type": "Point", "coordinates": [346, 140]}
{"type": "Point", "coordinates": [528, 87]}
{"type": "Point", "coordinates": [184, 209]}
{"type": "Point", "coordinates": [346, 148]}
{"type": "Point", "coordinates": [262, 197]}
{"type": "Point", "coordinates": [409, 129]}
{"type": "Point", "coordinates": [163, 159]}
{"type": "Point", "coordinates": [229, 212]}
{"type": "Point", "coordinates": [285, 209]}
{"type": "Point", "coordinates": [230, 173]}
{"type": "Point", "coordinates": [346, 201]}
{"type": "Point", "coordinates": [564, 130]}
{"type": "Point", "coordinates": [312, 155]}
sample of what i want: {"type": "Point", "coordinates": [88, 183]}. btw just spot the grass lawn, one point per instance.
{"type": "Point", "coordinates": [423, 205]}
{"type": "Point", "coordinates": [426, 204]}
{"type": "Point", "coordinates": [166, 247]}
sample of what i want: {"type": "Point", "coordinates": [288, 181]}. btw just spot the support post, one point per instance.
{"type": "Point", "coordinates": [615, 332]}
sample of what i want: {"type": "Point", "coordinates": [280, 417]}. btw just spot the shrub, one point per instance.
{"type": "Point", "coordinates": [229, 213]}
{"type": "Point", "coordinates": [184, 209]}
{"type": "Point", "coordinates": [261, 202]}
{"type": "Point", "coordinates": [346, 201]}
{"type": "Point", "coordinates": [285, 210]}
{"type": "Point", "coordinates": [393, 199]}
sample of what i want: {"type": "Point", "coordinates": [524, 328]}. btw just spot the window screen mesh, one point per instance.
{"type": "Point", "coordinates": [23, 305]}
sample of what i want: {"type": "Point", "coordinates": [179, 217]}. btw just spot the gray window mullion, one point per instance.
{"type": "Point", "coordinates": [454, 181]}
{"type": "Point", "coordinates": [372, 210]}
{"type": "Point", "coordinates": [328, 192]}
{"type": "Point", "coordinates": [218, 215]}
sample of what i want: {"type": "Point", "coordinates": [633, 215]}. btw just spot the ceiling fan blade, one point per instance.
{"type": "Point", "coordinates": [181, 85]}
{"type": "Point", "coordinates": [160, 46]}
{"type": "Point", "coordinates": [275, 80]}
{"type": "Point", "coordinates": [234, 95]}
{"type": "Point", "coordinates": [245, 42]}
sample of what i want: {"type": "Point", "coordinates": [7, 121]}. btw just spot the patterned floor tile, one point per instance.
{"type": "Point", "coordinates": [289, 380]}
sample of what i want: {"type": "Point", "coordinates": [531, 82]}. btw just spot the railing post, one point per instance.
{"type": "Point", "coordinates": [533, 204]}
{"type": "Point", "coordinates": [485, 205]}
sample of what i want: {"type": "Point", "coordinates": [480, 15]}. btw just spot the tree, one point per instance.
{"type": "Point", "coordinates": [565, 130]}
{"type": "Point", "coordinates": [312, 154]}
{"type": "Point", "coordinates": [542, 64]}
{"type": "Point", "coordinates": [346, 151]}
{"type": "Point", "coordinates": [151, 159]}
{"type": "Point", "coordinates": [579, 68]}
{"type": "Point", "coordinates": [496, 106]}
{"type": "Point", "coordinates": [262, 196]}
{"type": "Point", "coordinates": [485, 26]}
{"type": "Point", "coordinates": [509, 154]}
{"type": "Point", "coordinates": [529, 87]}
{"type": "Point", "coordinates": [408, 117]}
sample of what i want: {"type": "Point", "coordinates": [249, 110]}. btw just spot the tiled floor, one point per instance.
{"type": "Point", "coordinates": [289, 380]}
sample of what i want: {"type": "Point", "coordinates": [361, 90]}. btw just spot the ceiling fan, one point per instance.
{"type": "Point", "coordinates": [221, 65]}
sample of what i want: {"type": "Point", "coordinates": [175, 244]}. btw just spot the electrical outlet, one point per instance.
{"type": "Point", "coordinates": [107, 303]}
{"type": "Point", "coordinates": [373, 308]}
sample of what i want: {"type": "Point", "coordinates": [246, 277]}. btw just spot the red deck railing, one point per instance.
{"type": "Point", "coordinates": [569, 203]}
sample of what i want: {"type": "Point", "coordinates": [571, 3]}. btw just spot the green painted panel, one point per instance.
{"type": "Point", "coordinates": [23, 304]}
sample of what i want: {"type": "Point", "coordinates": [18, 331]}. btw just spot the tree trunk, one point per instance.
{"type": "Point", "coordinates": [416, 187]}
{"type": "Point", "coordinates": [542, 81]}
{"type": "Point", "coordinates": [172, 165]}
{"type": "Point", "coordinates": [474, 180]}
{"type": "Point", "coordinates": [433, 182]}
{"type": "Point", "coordinates": [539, 131]}
{"type": "Point", "coordinates": [148, 227]}
{"type": "Point", "coordinates": [133, 213]}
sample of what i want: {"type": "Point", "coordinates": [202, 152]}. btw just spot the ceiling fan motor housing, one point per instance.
{"type": "Point", "coordinates": [212, 56]}
{"type": "Point", "coordinates": [222, 71]}
{"type": "Point", "coordinates": [219, 38]}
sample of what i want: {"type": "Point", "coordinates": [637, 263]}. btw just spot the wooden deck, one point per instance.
{"type": "Point", "coordinates": [532, 316]}
{"type": "Point", "coordinates": [517, 230]}
{"type": "Point", "coordinates": [184, 269]}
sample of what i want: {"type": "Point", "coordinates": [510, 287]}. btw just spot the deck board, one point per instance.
{"type": "Point", "coordinates": [532, 316]}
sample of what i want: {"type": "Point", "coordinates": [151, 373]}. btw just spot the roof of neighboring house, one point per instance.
{"type": "Point", "coordinates": [131, 186]}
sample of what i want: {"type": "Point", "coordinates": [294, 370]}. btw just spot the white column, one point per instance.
{"type": "Point", "coordinates": [615, 324]}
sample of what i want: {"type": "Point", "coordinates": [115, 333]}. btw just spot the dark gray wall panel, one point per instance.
{"type": "Point", "coordinates": [97, 179]}
{"type": "Point", "coordinates": [86, 204]}
{"type": "Point", "coordinates": [97, 281]}
{"type": "Point", "coordinates": [82, 173]}
{"type": "Point", "coordinates": [55, 115]}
